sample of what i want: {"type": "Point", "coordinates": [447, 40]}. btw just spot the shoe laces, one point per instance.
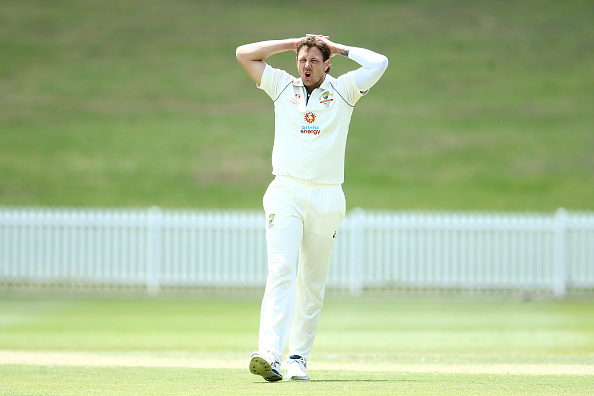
{"type": "Point", "coordinates": [300, 360]}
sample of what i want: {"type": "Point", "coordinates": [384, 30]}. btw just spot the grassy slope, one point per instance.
{"type": "Point", "coordinates": [484, 106]}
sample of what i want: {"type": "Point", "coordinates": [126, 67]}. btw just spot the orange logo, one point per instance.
{"type": "Point", "coordinates": [310, 117]}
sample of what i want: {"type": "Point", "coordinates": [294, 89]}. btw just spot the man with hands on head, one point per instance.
{"type": "Point", "coordinates": [304, 203]}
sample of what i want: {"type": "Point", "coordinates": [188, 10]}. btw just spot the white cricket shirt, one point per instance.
{"type": "Point", "coordinates": [310, 138]}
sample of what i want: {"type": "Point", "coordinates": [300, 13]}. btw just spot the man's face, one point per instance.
{"type": "Point", "coordinates": [311, 66]}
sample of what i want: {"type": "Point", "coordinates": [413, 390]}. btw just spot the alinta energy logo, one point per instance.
{"type": "Point", "coordinates": [310, 118]}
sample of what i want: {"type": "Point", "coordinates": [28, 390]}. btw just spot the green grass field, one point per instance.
{"type": "Point", "coordinates": [364, 346]}
{"type": "Point", "coordinates": [485, 105]}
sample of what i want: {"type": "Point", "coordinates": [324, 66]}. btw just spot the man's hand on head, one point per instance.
{"type": "Point", "coordinates": [335, 48]}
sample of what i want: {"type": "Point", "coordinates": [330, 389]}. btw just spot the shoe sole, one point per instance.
{"type": "Point", "coordinates": [299, 378]}
{"type": "Point", "coordinates": [261, 367]}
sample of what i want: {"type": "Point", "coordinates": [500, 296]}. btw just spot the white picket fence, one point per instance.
{"type": "Point", "coordinates": [155, 248]}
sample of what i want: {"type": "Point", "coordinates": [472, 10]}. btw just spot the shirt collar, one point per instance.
{"type": "Point", "coordinates": [298, 82]}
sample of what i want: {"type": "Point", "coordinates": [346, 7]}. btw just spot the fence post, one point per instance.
{"type": "Point", "coordinates": [560, 274]}
{"type": "Point", "coordinates": [154, 249]}
{"type": "Point", "coordinates": [356, 251]}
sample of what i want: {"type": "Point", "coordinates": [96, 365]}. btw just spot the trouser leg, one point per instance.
{"type": "Point", "coordinates": [276, 314]}
{"type": "Point", "coordinates": [315, 256]}
{"type": "Point", "coordinates": [314, 263]}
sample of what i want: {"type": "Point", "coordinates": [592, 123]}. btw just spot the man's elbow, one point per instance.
{"type": "Point", "coordinates": [239, 53]}
{"type": "Point", "coordinates": [242, 57]}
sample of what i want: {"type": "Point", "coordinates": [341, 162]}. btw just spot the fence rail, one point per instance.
{"type": "Point", "coordinates": [155, 248]}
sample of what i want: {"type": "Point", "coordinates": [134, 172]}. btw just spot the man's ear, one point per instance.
{"type": "Point", "coordinates": [326, 65]}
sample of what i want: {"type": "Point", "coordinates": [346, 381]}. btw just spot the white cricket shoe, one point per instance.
{"type": "Point", "coordinates": [296, 368]}
{"type": "Point", "coordinates": [266, 365]}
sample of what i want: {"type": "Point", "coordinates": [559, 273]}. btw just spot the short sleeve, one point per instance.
{"type": "Point", "coordinates": [274, 81]}
{"type": "Point", "coordinates": [348, 89]}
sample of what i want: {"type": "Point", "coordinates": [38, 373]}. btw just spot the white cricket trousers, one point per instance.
{"type": "Point", "coordinates": [301, 219]}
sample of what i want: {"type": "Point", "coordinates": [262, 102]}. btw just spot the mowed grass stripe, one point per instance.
{"type": "Point", "coordinates": [372, 346]}
{"type": "Point", "coordinates": [362, 363]}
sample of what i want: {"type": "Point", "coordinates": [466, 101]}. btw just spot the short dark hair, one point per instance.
{"type": "Point", "coordinates": [315, 42]}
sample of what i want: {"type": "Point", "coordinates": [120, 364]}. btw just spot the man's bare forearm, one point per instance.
{"type": "Point", "coordinates": [251, 56]}
{"type": "Point", "coordinates": [263, 49]}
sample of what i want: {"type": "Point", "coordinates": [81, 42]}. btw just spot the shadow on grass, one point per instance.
{"type": "Point", "coordinates": [341, 380]}
{"type": "Point", "coordinates": [365, 380]}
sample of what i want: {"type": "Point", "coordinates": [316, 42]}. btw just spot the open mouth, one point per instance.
{"type": "Point", "coordinates": [307, 74]}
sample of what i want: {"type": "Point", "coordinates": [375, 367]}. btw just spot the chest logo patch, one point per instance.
{"type": "Point", "coordinates": [310, 118]}
{"type": "Point", "coordinates": [326, 99]}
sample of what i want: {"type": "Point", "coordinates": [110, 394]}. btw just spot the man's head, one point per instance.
{"type": "Point", "coordinates": [313, 61]}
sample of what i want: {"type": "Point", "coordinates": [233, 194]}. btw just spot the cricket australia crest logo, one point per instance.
{"type": "Point", "coordinates": [270, 220]}
{"type": "Point", "coordinates": [326, 99]}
